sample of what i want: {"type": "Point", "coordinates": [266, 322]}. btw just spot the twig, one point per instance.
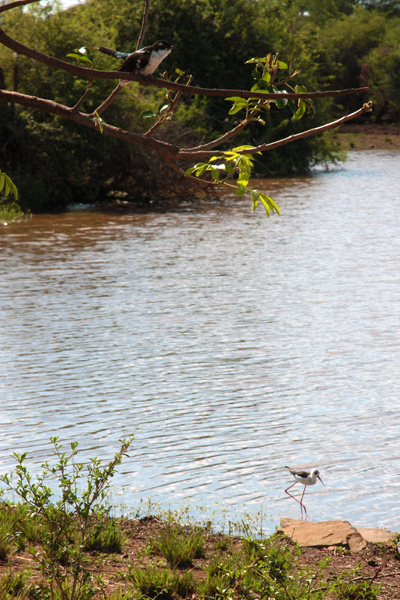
{"type": "Point", "coordinates": [144, 24]}
{"type": "Point", "coordinates": [224, 138]}
{"type": "Point", "coordinates": [85, 95]}
{"type": "Point", "coordinates": [109, 100]}
{"type": "Point", "coordinates": [171, 107]}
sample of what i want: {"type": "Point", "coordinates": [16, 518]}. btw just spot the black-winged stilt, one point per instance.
{"type": "Point", "coordinates": [305, 478]}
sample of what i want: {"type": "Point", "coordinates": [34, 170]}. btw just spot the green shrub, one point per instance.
{"type": "Point", "coordinates": [66, 525]}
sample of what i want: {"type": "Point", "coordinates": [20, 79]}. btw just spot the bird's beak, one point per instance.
{"type": "Point", "coordinates": [321, 480]}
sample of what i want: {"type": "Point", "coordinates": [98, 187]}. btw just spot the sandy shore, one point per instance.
{"type": "Point", "coordinates": [368, 137]}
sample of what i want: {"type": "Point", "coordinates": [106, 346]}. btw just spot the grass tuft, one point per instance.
{"type": "Point", "coordinates": [178, 548]}
{"type": "Point", "coordinates": [108, 540]}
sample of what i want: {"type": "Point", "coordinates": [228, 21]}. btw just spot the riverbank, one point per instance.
{"type": "Point", "coordinates": [368, 137]}
{"type": "Point", "coordinates": [165, 560]}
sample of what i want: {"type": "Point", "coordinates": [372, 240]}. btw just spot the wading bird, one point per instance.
{"type": "Point", "coordinates": [305, 478]}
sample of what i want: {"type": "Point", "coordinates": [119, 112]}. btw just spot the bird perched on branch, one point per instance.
{"type": "Point", "coordinates": [144, 61]}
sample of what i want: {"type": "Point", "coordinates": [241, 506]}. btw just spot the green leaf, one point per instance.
{"type": "Point", "coordinates": [163, 108]}
{"type": "Point", "coordinates": [241, 148]}
{"type": "Point", "coordinates": [265, 204]}
{"type": "Point", "coordinates": [261, 86]}
{"type": "Point", "coordinates": [256, 60]}
{"type": "Point", "coordinates": [282, 65]}
{"type": "Point", "coordinates": [99, 121]}
{"type": "Point", "coordinates": [280, 104]}
{"type": "Point", "coordinates": [241, 189]}
{"type": "Point", "coordinates": [266, 77]}
{"type": "Point", "coordinates": [7, 187]}
{"type": "Point", "coordinates": [81, 58]}
{"type": "Point", "coordinates": [254, 198]}
{"type": "Point", "coordinates": [237, 107]}
{"type": "Point", "coordinates": [82, 54]}
{"type": "Point", "coordinates": [190, 170]}
{"type": "Point", "coordinates": [243, 178]}
{"type": "Point", "coordinates": [300, 89]}
{"type": "Point", "coordinates": [201, 168]}
{"type": "Point", "coordinates": [270, 202]}
{"type": "Point", "coordinates": [13, 188]}
{"type": "Point", "coordinates": [147, 114]}
{"type": "Point", "coordinates": [300, 111]}
{"type": "Point", "coordinates": [215, 173]}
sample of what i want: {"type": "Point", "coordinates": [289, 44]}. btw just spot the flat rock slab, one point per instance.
{"type": "Point", "coordinates": [326, 533]}
{"type": "Point", "coordinates": [333, 533]}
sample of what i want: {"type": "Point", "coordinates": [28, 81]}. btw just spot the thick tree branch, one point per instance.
{"type": "Point", "coordinates": [164, 150]}
{"type": "Point", "coordinates": [187, 89]}
{"type": "Point", "coordinates": [11, 5]}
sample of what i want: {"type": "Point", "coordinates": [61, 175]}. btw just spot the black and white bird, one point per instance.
{"type": "Point", "coordinates": [305, 478]}
{"type": "Point", "coordinates": [144, 61]}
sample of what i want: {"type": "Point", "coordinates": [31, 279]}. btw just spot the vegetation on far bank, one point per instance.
{"type": "Point", "coordinates": [336, 44]}
{"type": "Point", "coordinates": [63, 544]}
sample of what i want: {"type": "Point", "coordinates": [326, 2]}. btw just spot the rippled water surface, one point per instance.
{"type": "Point", "coordinates": [230, 345]}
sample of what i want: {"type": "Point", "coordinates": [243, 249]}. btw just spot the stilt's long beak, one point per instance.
{"type": "Point", "coordinates": [321, 480]}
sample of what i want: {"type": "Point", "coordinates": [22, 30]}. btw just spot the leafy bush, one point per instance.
{"type": "Point", "coordinates": [70, 522]}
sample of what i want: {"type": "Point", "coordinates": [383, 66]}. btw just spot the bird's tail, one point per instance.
{"type": "Point", "coordinates": [114, 53]}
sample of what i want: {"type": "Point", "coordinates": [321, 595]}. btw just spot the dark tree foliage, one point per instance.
{"type": "Point", "coordinates": [335, 43]}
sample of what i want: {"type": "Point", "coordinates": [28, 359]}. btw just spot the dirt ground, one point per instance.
{"type": "Point", "coordinates": [379, 563]}
{"type": "Point", "coordinates": [368, 137]}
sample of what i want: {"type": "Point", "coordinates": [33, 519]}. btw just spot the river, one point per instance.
{"type": "Point", "coordinates": [229, 344]}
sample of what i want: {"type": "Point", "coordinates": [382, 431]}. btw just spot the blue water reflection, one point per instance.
{"type": "Point", "coordinates": [229, 344]}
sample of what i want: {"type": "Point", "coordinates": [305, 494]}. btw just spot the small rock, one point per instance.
{"type": "Point", "coordinates": [356, 542]}
{"type": "Point", "coordinates": [374, 534]}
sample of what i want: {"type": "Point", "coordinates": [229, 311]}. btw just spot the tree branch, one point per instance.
{"type": "Point", "coordinates": [5, 7]}
{"type": "Point", "coordinates": [163, 149]}
{"type": "Point", "coordinates": [192, 153]}
{"type": "Point", "coordinates": [171, 85]}
{"type": "Point", "coordinates": [166, 151]}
